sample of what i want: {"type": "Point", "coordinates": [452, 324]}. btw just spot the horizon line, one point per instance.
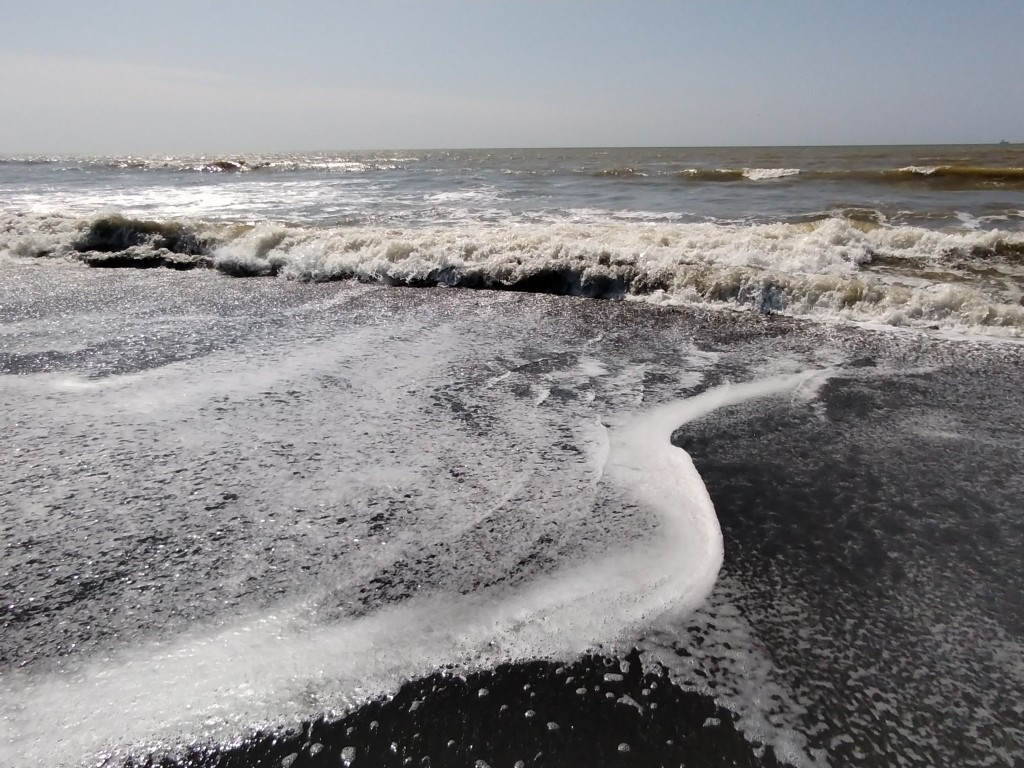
{"type": "Point", "coordinates": [496, 148]}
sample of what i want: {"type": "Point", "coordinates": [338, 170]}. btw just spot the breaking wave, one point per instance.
{"type": "Point", "coordinates": [967, 174]}
{"type": "Point", "coordinates": [957, 177]}
{"type": "Point", "coordinates": [939, 175]}
{"type": "Point", "coordinates": [620, 173]}
{"type": "Point", "coordinates": [833, 268]}
{"type": "Point", "coordinates": [226, 164]}
{"type": "Point", "coordinates": [737, 174]}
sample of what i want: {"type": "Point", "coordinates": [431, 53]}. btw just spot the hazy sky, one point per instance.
{"type": "Point", "coordinates": [232, 76]}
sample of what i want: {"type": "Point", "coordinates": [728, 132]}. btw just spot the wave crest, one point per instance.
{"type": "Point", "coordinates": [833, 267]}
{"type": "Point", "coordinates": [736, 174]}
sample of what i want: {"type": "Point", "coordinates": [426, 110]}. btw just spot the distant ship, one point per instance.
{"type": "Point", "coordinates": [1004, 141]}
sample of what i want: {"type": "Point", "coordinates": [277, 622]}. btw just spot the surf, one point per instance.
{"type": "Point", "coordinates": [830, 267]}
{"type": "Point", "coordinates": [281, 666]}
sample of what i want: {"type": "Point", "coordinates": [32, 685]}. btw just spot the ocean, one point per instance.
{"type": "Point", "coordinates": [560, 457]}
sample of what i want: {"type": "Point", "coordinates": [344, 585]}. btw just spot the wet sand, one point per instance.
{"type": "Point", "coordinates": [869, 608]}
{"type": "Point", "coordinates": [598, 711]}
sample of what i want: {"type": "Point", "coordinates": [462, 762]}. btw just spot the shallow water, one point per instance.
{"type": "Point", "coordinates": [234, 505]}
{"type": "Point", "coordinates": [305, 518]}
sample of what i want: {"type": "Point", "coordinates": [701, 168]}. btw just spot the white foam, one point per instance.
{"type": "Point", "coordinates": [762, 174]}
{"type": "Point", "coordinates": [834, 269]}
{"type": "Point", "coordinates": [282, 665]}
{"type": "Point", "coordinates": [730, 665]}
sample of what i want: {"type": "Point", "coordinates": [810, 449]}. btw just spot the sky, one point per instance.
{"type": "Point", "coordinates": [191, 76]}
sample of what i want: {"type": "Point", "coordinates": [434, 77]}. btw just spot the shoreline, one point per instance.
{"type": "Point", "coordinates": [869, 584]}
{"type": "Point", "coordinates": [596, 711]}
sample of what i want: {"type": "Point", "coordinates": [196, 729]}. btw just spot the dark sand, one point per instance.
{"type": "Point", "coordinates": [872, 535]}
{"type": "Point", "coordinates": [598, 711]}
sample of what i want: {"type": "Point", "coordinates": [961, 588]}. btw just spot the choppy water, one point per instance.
{"type": "Point", "coordinates": [903, 236]}
{"type": "Point", "coordinates": [304, 519]}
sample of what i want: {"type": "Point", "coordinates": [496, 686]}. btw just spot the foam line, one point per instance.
{"type": "Point", "coordinates": [281, 666]}
{"type": "Point", "coordinates": [833, 268]}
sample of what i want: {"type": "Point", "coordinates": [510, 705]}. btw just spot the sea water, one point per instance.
{"type": "Point", "coordinates": [918, 236]}
{"type": "Point", "coordinates": [780, 460]}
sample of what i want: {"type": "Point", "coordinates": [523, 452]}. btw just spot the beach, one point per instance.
{"type": "Point", "coordinates": [546, 461]}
